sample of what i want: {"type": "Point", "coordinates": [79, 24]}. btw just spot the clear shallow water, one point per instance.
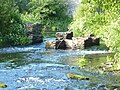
{"type": "Point", "coordinates": [35, 68]}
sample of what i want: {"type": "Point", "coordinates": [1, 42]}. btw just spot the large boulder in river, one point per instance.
{"type": "Point", "coordinates": [51, 44]}
{"type": "Point", "coordinates": [74, 43]}
{"type": "Point", "coordinates": [64, 35]}
{"type": "Point", "coordinates": [78, 43]}
{"type": "Point", "coordinates": [69, 44]}
{"type": "Point", "coordinates": [91, 40]}
{"type": "Point", "coordinates": [60, 44]}
{"type": "Point", "coordinates": [34, 32]}
{"type": "Point", "coordinates": [85, 41]}
{"type": "Point", "coordinates": [37, 33]}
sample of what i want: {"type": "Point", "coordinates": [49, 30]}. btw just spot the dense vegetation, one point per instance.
{"type": "Point", "coordinates": [22, 5]}
{"type": "Point", "coordinates": [12, 31]}
{"type": "Point", "coordinates": [50, 13]}
{"type": "Point", "coordinates": [15, 13]}
{"type": "Point", "coordinates": [100, 17]}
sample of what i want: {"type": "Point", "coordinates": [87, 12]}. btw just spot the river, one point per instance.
{"type": "Point", "coordinates": [35, 68]}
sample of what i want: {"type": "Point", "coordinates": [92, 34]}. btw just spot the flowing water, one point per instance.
{"type": "Point", "coordinates": [35, 68]}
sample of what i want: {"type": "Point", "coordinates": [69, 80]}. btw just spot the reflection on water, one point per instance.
{"type": "Point", "coordinates": [35, 68]}
{"type": "Point", "coordinates": [89, 60]}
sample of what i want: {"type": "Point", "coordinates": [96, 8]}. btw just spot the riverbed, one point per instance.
{"type": "Point", "coordinates": [36, 68]}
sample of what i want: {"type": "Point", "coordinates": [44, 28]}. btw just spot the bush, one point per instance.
{"type": "Point", "coordinates": [100, 18]}
{"type": "Point", "coordinates": [50, 13]}
{"type": "Point", "coordinates": [12, 31]}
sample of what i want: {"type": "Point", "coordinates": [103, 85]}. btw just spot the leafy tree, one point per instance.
{"type": "Point", "coordinates": [51, 13]}
{"type": "Point", "coordinates": [100, 17]}
{"type": "Point", "coordinates": [11, 26]}
{"type": "Point", "coordinates": [47, 9]}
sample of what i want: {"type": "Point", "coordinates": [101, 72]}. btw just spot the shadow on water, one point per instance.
{"type": "Point", "coordinates": [35, 68]}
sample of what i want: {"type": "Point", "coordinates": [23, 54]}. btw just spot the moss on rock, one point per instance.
{"type": "Point", "coordinates": [75, 76]}
{"type": "Point", "coordinates": [2, 85]}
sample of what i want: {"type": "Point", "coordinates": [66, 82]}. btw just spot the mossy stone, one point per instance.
{"type": "Point", "coordinates": [2, 85]}
{"type": "Point", "coordinates": [75, 76]}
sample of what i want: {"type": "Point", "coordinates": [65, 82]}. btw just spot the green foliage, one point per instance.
{"type": "Point", "coordinates": [50, 13]}
{"type": "Point", "coordinates": [47, 9]}
{"type": "Point", "coordinates": [100, 17]}
{"type": "Point", "coordinates": [12, 31]}
{"type": "Point", "coordinates": [23, 5]}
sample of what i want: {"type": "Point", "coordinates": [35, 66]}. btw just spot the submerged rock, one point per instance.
{"type": "Point", "coordinates": [64, 35]}
{"type": "Point", "coordinates": [2, 85]}
{"type": "Point", "coordinates": [76, 76]}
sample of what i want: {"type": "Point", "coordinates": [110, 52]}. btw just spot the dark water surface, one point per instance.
{"type": "Point", "coordinates": [35, 68]}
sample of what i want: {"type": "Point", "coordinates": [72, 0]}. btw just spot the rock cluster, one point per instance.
{"type": "Point", "coordinates": [65, 40]}
{"type": "Point", "coordinates": [34, 32]}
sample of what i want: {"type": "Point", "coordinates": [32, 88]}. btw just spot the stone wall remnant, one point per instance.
{"type": "Point", "coordinates": [65, 40]}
